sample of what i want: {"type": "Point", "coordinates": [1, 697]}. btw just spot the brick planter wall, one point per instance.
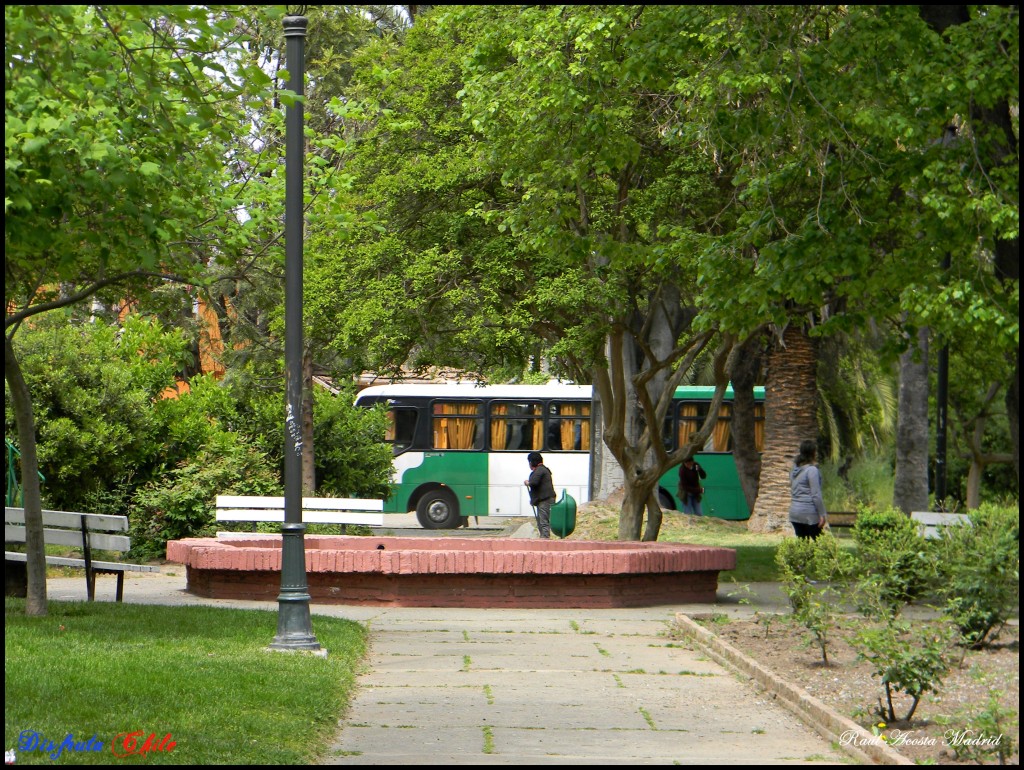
{"type": "Point", "coordinates": [459, 572]}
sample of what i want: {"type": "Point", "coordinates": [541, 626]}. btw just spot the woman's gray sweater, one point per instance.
{"type": "Point", "coordinates": [807, 506]}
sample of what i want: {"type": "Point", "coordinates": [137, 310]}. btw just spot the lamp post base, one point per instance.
{"type": "Point", "coordinates": [294, 630]}
{"type": "Point", "coordinates": [294, 627]}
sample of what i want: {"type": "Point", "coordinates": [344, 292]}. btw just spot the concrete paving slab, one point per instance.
{"type": "Point", "coordinates": [426, 713]}
{"type": "Point", "coordinates": [644, 746]}
{"type": "Point", "coordinates": [375, 745]}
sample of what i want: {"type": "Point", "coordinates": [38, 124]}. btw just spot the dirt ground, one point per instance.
{"type": "Point", "coordinates": [848, 686]}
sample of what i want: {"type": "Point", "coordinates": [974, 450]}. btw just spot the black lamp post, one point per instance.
{"type": "Point", "coordinates": [294, 629]}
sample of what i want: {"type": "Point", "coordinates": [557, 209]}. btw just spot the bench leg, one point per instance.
{"type": "Point", "coordinates": [90, 584]}
{"type": "Point", "coordinates": [120, 586]}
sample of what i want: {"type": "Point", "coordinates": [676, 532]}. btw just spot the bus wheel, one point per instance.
{"type": "Point", "coordinates": [438, 510]}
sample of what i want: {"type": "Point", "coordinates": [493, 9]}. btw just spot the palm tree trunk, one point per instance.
{"type": "Point", "coordinates": [791, 394]}
{"type": "Point", "coordinates": [910, 488]}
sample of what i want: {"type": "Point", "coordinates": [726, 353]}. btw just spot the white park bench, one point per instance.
{"type": "Point", "coordinates": [930, 524]}
{"type": "Point", "coordinates": [315, 510]}
{"type": "Point", "coordinates": [86, 531]}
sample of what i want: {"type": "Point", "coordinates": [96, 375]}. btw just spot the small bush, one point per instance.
{"type": "Point", "coordinates": [908, 659]}
{"type": "Point", "coordinates": [814, 574]}
{"type": "Point", "coordinates": [979, 569]}
{"type": "Point", "coordinates": [895, 561]}
{"type": "Point", "coordinates": [871, 478]}
{"type": "Point", "coordinates": [989, 735]}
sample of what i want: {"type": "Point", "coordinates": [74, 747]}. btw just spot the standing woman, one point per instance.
{"type": "Point", "coordinates": [807, 509]}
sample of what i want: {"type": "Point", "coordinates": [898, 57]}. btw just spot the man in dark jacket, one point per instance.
{"type": "Point", "coordinates": [542, 492]}
{"type": "Point", "coordinates": [690, 489]}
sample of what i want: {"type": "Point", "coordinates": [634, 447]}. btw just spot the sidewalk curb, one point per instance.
{"type": "Point", "coordinates": [858, 742]}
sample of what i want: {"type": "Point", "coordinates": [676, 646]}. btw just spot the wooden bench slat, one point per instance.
{"type": "Point", "coordinates": [308, 517]}
{"type": "Point", "coordinates": [66, 561]}
{"type": "Point", "coordinates": [247, 501]}
{"type": "Point", "coordinates": [933, 518]}
{"type": "Point", "coordinates": [93, 521]}
{"type": "Point", "coordinates": [241, 514]}
{"type": "Point", "coordinates": [308, 503]}
{"type": "Point", "coordinates": [315, 510]}
{"type": "Point", "coordinates": [16, 534]}
{"type": "Point", "coordinates": [341, 504]}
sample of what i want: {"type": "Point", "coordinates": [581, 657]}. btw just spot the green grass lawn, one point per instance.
{"type": "Point", "coordinates": [201, 674]}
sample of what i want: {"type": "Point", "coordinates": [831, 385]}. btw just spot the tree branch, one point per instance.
{"type": "Point", "coordinates": [14, 319]}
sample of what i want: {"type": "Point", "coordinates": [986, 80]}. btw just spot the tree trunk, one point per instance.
{"type": "Point", "coordinates": [976, 442]}
{"type": "Point", "coordinates": [610, 474]}
{"type": "Point", "coordinates": [641, 496]}
{"type": "Point", "coordinates": [745, 371]}
{"type": "Point", "coordinates": [973, 492]}
{"type": "Point", "coordinates": [35, 567]}
{"type": "Point", "coordinates": [644, 459]}
{"type": "Point", "coordinates": [631, 517]}
{"type": "Point", "coordinates": [910, 489]}
{"type": "Point", "coordinates": [654, 516]}
{"type": "Point", "coordinates": [605, 472]}
{"type": "Point", "coordinates": [791, 395]}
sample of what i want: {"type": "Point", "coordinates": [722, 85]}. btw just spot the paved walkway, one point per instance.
{"type": "Point", "coordinates": [474, 686]}
{"type": "Point", "coordinates": [557, 687]}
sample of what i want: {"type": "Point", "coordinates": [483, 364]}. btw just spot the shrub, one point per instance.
{"type": "Point", "coordinates": [349, 454]}
{"type": "Point", "coordinates": [908, 659]}
{"type": "Point", "coordinates": [895, 562]}
{"type": "Point", "coordinates": [979, 568]}
{"type": "Point", "coordinates": [814, 573]}
{"type": "Point", "coordinates": [989, 735]}
{"type": "Point", "coordinates": [182, 503]}
{"type": "Point", "coordinates": [93, 386]}
{"type": "Point", "coordinates": [866, 480]}
{"type": "Point", "coordinates": [351, 457]}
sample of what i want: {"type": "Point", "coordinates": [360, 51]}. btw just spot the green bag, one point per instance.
{"type": "Point", "coordinates": [563, 515]}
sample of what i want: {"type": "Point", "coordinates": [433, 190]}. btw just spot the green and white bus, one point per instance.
{"type": "Point", "coordinates": [460, 449]}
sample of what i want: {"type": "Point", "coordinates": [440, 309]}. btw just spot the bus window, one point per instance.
{"type": "Point", "coordinates": [689, 422]}
{"type": "Point", "coordinates": [401, 428]}
{"type": "Point", "coordinates": [458, 425]}
{"type": "Point", "coordinates": [666, 432]}
{"type": "Point", "coordinates": [569, 426]}
{"type": "Point", "coordinates": [691, 417]}
{"type": "Point", "coordinates": [516, 426]}
{"type": "Point", "coordinates": [721, 435]}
